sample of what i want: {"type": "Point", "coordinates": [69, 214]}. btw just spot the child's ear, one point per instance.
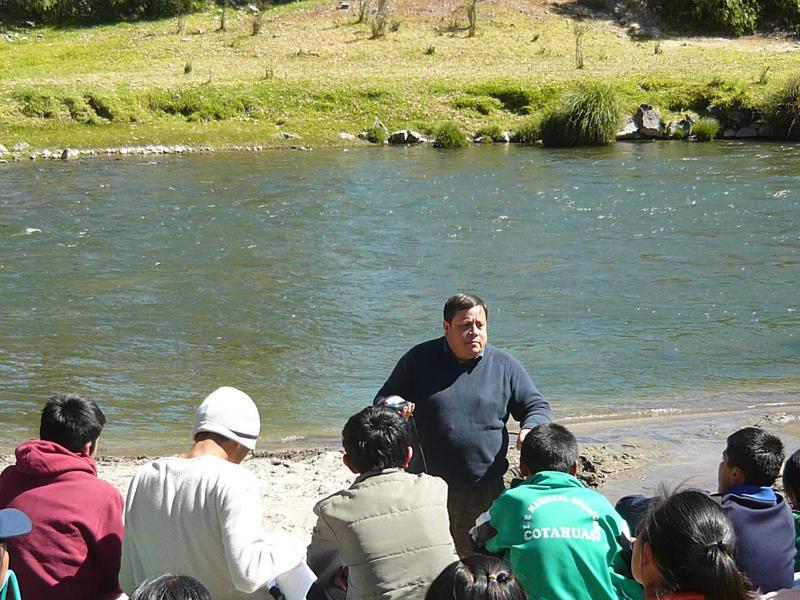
{"type": "Point", "coordinates": [523, 468]}
{"type": "Point", "coordinates": [346, 461]}
{"type": "Point", "coordinates": [573, 470]}
{"type": "Point", "coordinates": [407, 459]}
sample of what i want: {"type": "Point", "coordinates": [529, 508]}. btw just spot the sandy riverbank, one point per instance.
{"type": "Point", "coordinates": [620, 456]}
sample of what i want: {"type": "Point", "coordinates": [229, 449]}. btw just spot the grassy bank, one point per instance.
{"type": "Point", "coordinates": [314, 71]}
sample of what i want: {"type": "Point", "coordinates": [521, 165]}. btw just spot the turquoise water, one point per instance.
{"type": "Point", "coordinates": [632, 279]}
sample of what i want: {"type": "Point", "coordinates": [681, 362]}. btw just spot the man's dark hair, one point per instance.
{"type": "Point", "coordinates": [461, 302]}
{"type": "Point", "coordinates": [757, 453]}
{"type": "Point", "coordinates": [376, 438]}
{"type": "Point", "coordinates": [71, 421]}
{"type": "Point", "coordinates": [549, 447]}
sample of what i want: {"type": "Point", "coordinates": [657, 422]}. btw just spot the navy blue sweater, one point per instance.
{"type": "Point", "coordinates": [765, 542]}
{"type": "Point", "coordinates": [462, 408]}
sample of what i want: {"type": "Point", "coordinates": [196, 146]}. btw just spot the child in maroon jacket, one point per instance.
{"type": "Point", "coordinates": [73, 551]}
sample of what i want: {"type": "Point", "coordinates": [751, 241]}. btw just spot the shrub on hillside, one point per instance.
{"type": "Point", "coordinates": [783, 111]}
{"type": "Point", "coordinates": [92, 11]}
{"type": "Point", "coordinates": [705, 129]}
{"type": "Point", "coordinates": [735, 17]}
{"type": "Point", "coordinates": [589, 115]}
{"type": "Point", "coordinates": [449, 136]}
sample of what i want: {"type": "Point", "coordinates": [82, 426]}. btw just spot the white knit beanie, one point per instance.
{"type": "Point", "coordinates": [230, 413]}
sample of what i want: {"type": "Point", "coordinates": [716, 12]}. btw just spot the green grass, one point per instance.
{"type": "Point", "coordinates": [705, 129]}
{"type": "Point", "coordinates": [783, 110]}
{"type": "Point", "coordinates": [125, 83]}
{"type": "Point", "coordinates": [449, 136]}
{"type": "Point", "coordinates": [589, 115]}
{"type": "Point", "coordinates": [529, 131]}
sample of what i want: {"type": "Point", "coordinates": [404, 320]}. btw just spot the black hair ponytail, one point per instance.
{"type": "Point", "coordinates": [693, 544]}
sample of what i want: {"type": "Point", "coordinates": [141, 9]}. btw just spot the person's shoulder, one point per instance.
{"type": "Point", "coordinates": [502, 357]}
{"type": "Point", "coordinates": [427, 348]}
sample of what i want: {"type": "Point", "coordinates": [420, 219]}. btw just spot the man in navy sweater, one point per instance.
{"type": "Point", "coordinates": [461, 392]}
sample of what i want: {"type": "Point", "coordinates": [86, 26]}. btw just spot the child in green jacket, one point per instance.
{"type": "Point", "coordinates": [563, 540]}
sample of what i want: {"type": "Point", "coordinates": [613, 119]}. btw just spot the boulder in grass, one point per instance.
{"type": "Point", "coordinates": [629, 131]}
{"type": "Point", "coordinates": [4, 150]}
{"type": "Point", "coordinates": [20, 146]}
{"type": "Point", "coordinates": [415, 137]}
{"type": "Point", "coordinates": [70, 154]}
{"type": "Point", "coordinates": [347, 136]}
{"type": "Point", "coordinates": [398, 137]}
{"type": "Point", "coordinates": [746, 132]}
{"type": "Point", "coordinates": [648, 121]}
{"type": "Point", "coordinates": [680, 129]}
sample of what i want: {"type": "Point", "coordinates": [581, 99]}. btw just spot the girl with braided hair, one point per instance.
{"type": "Point", "coordinates": [684, 551]}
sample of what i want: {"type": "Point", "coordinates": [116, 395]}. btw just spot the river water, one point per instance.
{"type": "Point", "coordinates": [634, 279]}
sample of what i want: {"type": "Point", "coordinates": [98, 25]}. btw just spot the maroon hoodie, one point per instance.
{"type": "Point", "coordinates": [73, 551]}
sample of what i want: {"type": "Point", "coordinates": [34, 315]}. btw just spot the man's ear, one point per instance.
{"type": "Point", "coordinates": [346, 460]}
{"type": "Point", "coordinates": [573, 470]}
{"type": "Point", "coordinates": [445, 326]}
{"type": "Point", "coordinates": [407, 459]}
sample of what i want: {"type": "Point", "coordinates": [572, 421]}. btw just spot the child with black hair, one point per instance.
{"type": "Point", "coordinates": [388, 535]}
{"type": "Point", "coordinates": [476, 577]}
{"type": "Point", "coordinates": [791, 486]}
{"type": "Point", "coordinates": [563, 540]}
{"type": "Point", "coordinates": [761, 518]}
{"type": "Point", "coordinates": [685, 551]}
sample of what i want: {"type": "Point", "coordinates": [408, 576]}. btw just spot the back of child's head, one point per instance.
{"type": "Point", "coordinates": [171, 587]}
{"type": "Point", "coordinates": [692, 541]}
{"type": "Point", "coordinates": [376, 438]}
{"type": "Point", "coordinates": [549, 447]}
{"type": "Point", "coordinates": [791, 479]}
{"type": "Point", "coordinates": [71, 421]}
{"type": "Point", "coordinates": [757, 453]}
{"type": "Point", "coordinates": [476, 577]}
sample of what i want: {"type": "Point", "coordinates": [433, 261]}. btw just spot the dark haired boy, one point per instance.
{"type": "Point", "coordinates": [563, 540]}
{"type": "Point", "coordinates": [73, 551]}
{"type": "Point", "coordinates": [387, 536]}
{"type": "Point", "coordinates": [762, 519]}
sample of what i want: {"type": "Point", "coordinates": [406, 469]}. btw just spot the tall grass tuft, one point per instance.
{"type": "Point", "coordinates": [529, 131]}
{"type": "Point", "coordinates": [492, 132]}
{"type": "Point", "coordinates": [705, 129]}
{"type": "Point", "coordinates": [589, 115]}
{"type": "Point", "coordinates": [449, 136]}
{"type": "Point", "coordinates": [377, 134]}
{"type": "Point", "coordinates": [783, 110]}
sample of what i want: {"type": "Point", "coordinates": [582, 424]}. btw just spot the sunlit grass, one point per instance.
{"type": "Point", "coordinates": [328, 76]}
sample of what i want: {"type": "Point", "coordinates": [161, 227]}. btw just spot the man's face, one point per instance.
{"type": "Point", "coordinates": [466, 334]}
{"type": "Point", "coordinates": [727, 476]}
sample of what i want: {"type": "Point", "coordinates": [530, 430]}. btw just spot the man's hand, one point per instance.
{"type": "Point", "coordinates": [400, 404]}
{"type": "Point", "coordinates": [521, 437]}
